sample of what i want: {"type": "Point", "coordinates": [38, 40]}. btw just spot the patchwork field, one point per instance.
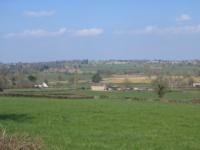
{"type": "Point", "coordinates": [129, 78]}
{"type": "Point", "coordinates": [103, 124]}
{"type": "Point", "coordinates": [139, 79]}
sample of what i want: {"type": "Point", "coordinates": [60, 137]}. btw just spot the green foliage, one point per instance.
{"type": "Point", "coordinates": [96, 78]}
{"type": "Point", "coordinates": [161, 86]}
{"type": "Point", "coordinates": [32, 78]}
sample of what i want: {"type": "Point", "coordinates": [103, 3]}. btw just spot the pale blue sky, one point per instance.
{"type": "Point", "coordinates": [41, 30]}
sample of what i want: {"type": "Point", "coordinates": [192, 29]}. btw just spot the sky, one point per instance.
{"type": "Point", "coordinates": [49, 30]}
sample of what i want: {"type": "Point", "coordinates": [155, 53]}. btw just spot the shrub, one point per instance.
{"type": "Point", "coordinates": [32, 78]}
{"type": "Point", "coordinates": [83, 88]}
{"type": "Point", "coordinates": [104, 96]}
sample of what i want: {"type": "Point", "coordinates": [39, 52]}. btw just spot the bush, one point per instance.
{"type": "Point", "coordinates": [82, 88]}
{"type": "Point", "coordinates": [104, 96]}
{"type": "Point", "coordinates": [32, 78]}
{"type": "Point", "coordinates": [1, 89]}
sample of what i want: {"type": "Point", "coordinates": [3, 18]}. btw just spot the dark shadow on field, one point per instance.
{"type": "Point", "coordinates": [15, 117]}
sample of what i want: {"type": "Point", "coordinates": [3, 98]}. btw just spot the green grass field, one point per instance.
{"type": "Point", "coordinates": [103, 124]}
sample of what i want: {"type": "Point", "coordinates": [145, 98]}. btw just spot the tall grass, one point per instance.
{"type": "Point", "coordinates": [18, 142]}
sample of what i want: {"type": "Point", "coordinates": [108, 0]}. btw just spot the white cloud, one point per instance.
{"type": "Point", "coordinates": [184, 18]}
{"type": "Point", "coordinates": [37, 33]}
{"type": "Point", "coordinates": [42, 13]}
{"type": "Point", "coordinates": [164, 30]}
{"type": "Point", "coordinates": [89, 32]}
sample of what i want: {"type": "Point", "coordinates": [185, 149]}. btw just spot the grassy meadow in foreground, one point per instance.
{"type": "Point", "coordinates": [103, 124]}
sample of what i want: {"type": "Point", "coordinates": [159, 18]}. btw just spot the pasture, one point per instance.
{"type": "Point", "coordinates": [112, 124]}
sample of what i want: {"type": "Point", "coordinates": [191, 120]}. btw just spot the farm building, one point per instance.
{"type": "Point", "coordinates": [99, 87]}
{"type": "Point", "coordinates": [196, 85]}
{"type": "Point", "coordinates": [43, 85]}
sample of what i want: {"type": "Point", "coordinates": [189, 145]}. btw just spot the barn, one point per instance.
{"type": "Point", "coordinates": [99, 87]}
{"type": "Point", "coordinates": [196, 85]}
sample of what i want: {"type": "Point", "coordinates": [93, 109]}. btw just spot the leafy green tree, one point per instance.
{"type": "Point", "coordinates": [96, 78]}
{"type": "Point", "coordinates": [32, 78]}
{"type": "Point", "coordinates": [161, 86]}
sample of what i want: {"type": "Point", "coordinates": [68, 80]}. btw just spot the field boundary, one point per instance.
{"type": "Point", "coordinates": [46, 96]}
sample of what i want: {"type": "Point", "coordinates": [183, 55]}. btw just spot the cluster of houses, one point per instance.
{"type": "Point", "coordinates": [105, 87]}
{"type": "Point", "coordinates": [42, 85]}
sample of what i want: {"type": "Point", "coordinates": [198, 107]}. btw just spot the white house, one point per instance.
{"type": "Point", "coordinates": [100, 87]}
{"type": "Point", "coordinates": [43, 85]}
{"type": "Point", "coordinates": [196, 85]}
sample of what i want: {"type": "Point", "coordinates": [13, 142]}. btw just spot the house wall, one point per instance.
{"type": "Point", "coordinates": [196, 84]}
{"type": "Point", "coordinates": [98, 88]}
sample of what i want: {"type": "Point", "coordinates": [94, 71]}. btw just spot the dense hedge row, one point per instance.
{"type": "Point", "coordinates": [47, 96]}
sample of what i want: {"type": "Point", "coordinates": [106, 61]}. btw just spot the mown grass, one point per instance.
{"type": "Point", "coordinates": [103, 124]}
